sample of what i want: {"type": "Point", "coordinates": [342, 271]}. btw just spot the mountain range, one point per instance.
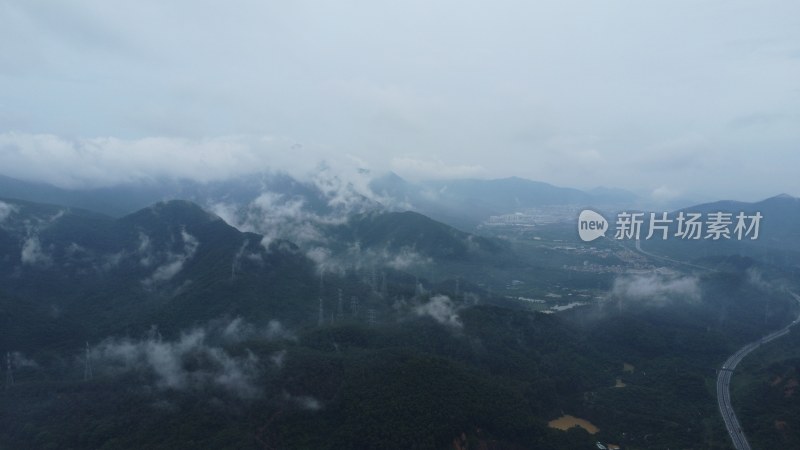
{"type": "Point", "coordinates": [273, 313]}
{"type": "Point", "coordinates": [463, 203]}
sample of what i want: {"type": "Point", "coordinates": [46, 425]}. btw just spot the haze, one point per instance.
{"type": "Point", "coordinates": [669, 99]}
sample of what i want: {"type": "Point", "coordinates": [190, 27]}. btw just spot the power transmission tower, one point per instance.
{"type": "Point", "coordinates": [384, 286]}
{"type": "Point", "coordinates": [321, 318]}
{"type": "Point", "coordinates": [340, 306]}
{"type": "Point", "coordinates": [87, 368]}
{"type": "Point", "coordinates": [9, 374]}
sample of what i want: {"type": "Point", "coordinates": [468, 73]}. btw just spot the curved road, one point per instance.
{"type": "Point", "coordinates": [724, 383]}
{"type": "Point", "coordinates": [726, 372]}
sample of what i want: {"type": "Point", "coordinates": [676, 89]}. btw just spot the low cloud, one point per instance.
{"type": "Point", "coordinates": [174, 261]}
{"type": "Point", "coordinates": [197, 359]}
{"type": "Point", "coordinates": [346, 187]}
{"type": "Point", "coordinates": [107, 161]}
{"type": "Point", "coordinates": [757, 279]}
{"type": "Point", "coordinates": [358, 258]}
{"type": "Point", "coordinates": [80, 163]}
{"type": "Point", "coordinates": [442, 310]}
{"type": "Point", "coordinates": [238, 330]}
{"type": "Point", "coordinates": [276, 216]}
{"type": "Point", "coordinates": [278, 358]}
{"type": "Point", "coordinates": [327, 197]}
{"type": "Point", "coordinates": [656, 288]}
{"type": "Point", "coordinates": [188, 363]}
{"type": "Point", "coordinates": [19, 360]}
{"type": "Point", "coordinates": [33, 254]}
{"type": "Point", "coordinates": [6, 209]}
{"type": "Point", "coordinates": [144, 250]}
{"type": "Point", "coordinates": [244, 255]}
{"type": "Point", "coordinates": [305, 402]}
{"type": "Point", "coordinates": [434, 169]}
{"type": "Point", "coordinates": [323, 259]}
{"type": "Point", "coordinates": [406, 258]}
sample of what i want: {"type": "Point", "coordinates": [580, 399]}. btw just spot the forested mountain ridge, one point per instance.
{"type": "Point", "coordinates": [241, 340]}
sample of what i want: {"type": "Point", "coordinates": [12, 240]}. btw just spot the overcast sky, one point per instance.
{"type": "Point", "coordinates": [669, 98]}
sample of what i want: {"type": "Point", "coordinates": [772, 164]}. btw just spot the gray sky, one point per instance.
{"type": "Point", "coordinates": [672, 98]}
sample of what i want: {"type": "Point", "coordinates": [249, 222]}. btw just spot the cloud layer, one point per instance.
{"type": "Point", "coordinates": [574, 93]}
{"type": "Point", "coordinates": [656, 288]}
{"type": "Point", "coordinates": [442, 310]}
{"type": "Point", "coordinates": [173, 263]}
{"type": "Point", "coordinates": [6, 210]}
{"type": "Point", "coordinates": [195, 360]}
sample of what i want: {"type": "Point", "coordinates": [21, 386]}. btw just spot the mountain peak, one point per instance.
{"type": "Point", "coordinates": [182, 207]}
{"type": "Point", "coordinates": [177, 211]}
{"type": "Point", "coordinates": [783, 196]}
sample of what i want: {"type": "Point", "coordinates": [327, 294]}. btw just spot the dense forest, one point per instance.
{"type": "Point", "coordinates": [493, 375]}
{"type": "Point", "coordinates": [169, 328]}
{"type": "Point", "coordinates": [766, 397]}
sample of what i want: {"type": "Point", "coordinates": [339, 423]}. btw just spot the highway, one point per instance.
{"type": "Point", "coordinates": [724, 383]}
{"type": "Point", "coordinates": [725, 374]}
